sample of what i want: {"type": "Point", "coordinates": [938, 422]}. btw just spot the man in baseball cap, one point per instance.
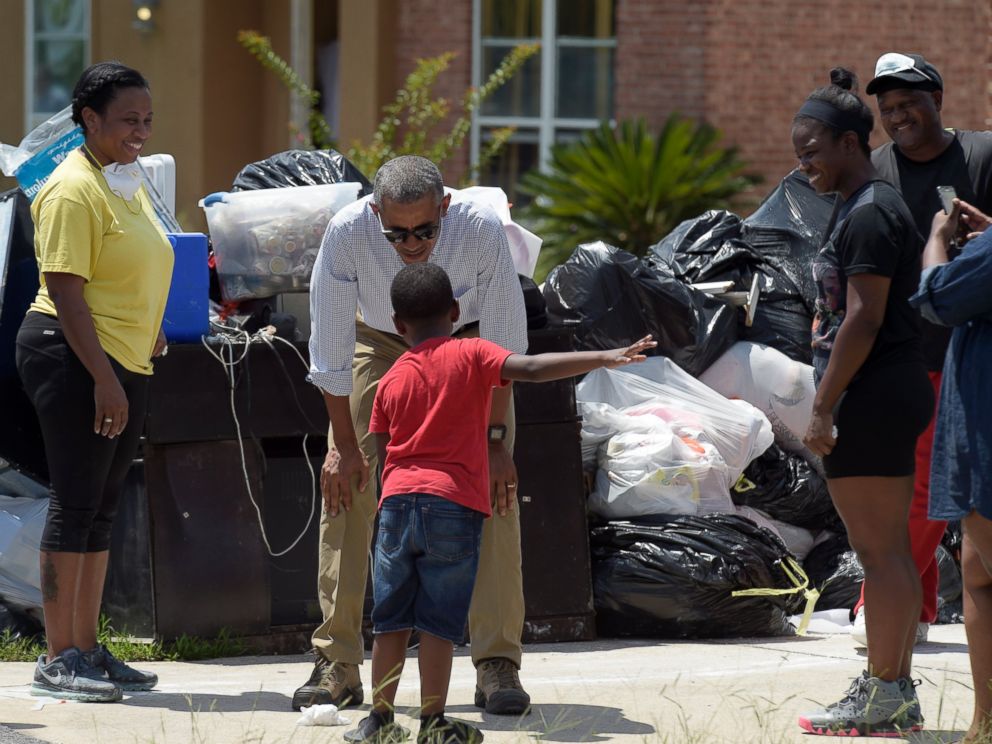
{"type": "Point", "coordinates": [921, 156]}
{"type": "Point", "coordinates": [894, 70]}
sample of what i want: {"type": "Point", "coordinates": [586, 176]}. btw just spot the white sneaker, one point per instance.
{"type": "Point", "coordinates": [859, 633]}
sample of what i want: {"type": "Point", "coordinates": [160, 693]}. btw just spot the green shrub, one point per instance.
{"type": "Point", "coordinates": [628, 187]}
{"type": "Point", "coordinates": [410, 125]}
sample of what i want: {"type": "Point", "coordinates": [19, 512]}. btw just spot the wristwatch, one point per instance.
{"type": "Point", "coordinates": [497, 432]}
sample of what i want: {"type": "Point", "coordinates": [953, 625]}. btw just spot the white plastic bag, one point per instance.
{"type": "Point", "coordinates": [524, 245]}
{"type": "Point", "coordinates": [321, 715]}
{"type": "Point", "coordinates": [43, 148]}
{"type": "Point", "coordinates": [779, 387]}
{"type": "Point", "coordinates": [666, 443]}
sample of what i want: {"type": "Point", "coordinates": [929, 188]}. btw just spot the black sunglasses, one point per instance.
{"type": "Point", "coordinates": [427, 231]}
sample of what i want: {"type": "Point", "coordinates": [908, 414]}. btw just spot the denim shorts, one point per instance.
{"type": "Point", "coordinates": [426, 556]}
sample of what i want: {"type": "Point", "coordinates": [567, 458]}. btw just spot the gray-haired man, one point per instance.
{"type": "Point", "coordinates": [408, 219]}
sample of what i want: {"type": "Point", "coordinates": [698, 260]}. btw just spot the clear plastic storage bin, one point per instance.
{"type": "Point", "coordinates": [266, 241]}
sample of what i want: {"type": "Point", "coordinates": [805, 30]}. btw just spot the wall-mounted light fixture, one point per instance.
{"type": "Point", "coordinates": [144, 19]}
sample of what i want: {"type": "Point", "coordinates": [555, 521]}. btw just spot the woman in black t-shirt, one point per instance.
{"type": "Point", "coordinates": [873, 397]}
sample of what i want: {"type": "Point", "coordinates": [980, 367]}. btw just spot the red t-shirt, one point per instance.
{"type": "Point", "coordinates": [434, 404]}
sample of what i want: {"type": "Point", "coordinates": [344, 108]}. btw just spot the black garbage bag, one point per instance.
{"type": "Point", "coordinates": [787, 488]}
{"type": "Point", "coordinates": [950, 587]}
{"type": "Point", "coordinates": [20, 433]}
{"type": "Point", "coordinates": [835, 570]}
{"type": "Point", "coordinates": [776, 244]}
{"type": "Point", "coordinates": [19, 624]}
{"type": "Point", "coordinates": [690, 248]}
{"type": "Point", "coordinates": [788, 230]}
{"type": "Point", "coordinates": [611, 298]}
{"type": "Point", "coordinates": [300, 168]}
{"type": "Point", "coordinates": [952, 539]}
{"type": "Point", "coordinates": [672, 577]}
{"type": "Point", "coordinates": [534, 304]}
{"type": "Point", "coordinates": [783, 318]}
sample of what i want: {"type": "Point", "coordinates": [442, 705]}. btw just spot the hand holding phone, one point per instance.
{"type": "Point", "coordinates": [947, 196]}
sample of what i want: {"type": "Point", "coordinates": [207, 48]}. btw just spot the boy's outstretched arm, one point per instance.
{"type": "Point", "coordinates": [544, 367]}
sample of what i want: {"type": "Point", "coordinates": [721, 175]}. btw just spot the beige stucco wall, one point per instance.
{"type": "Point", "coordinates": [216, 108]}
{"type": "Point", "coordinates": [12, 83]}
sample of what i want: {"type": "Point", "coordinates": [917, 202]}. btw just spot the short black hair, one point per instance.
{"type": "Point", "coordinates": [98, 86]}
{"type": "Point", "coordinates": [421, 291]}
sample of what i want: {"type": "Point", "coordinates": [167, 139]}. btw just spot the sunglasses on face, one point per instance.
{"type": "Point", "coordinates": [427, 231]}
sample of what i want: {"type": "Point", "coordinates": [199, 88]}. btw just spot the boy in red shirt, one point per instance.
{"type": "Point", "coordinates": [429, 417]}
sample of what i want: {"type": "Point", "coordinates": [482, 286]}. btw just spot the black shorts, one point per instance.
{"type": "Point", "coordinates": [878, 422]}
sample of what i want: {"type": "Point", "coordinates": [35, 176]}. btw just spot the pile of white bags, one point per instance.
{"type": "Point", "coordinates": [664, 442]}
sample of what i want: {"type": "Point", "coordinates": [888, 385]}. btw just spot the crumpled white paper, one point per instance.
{"type": "Point", "coordinates": [321, 715]}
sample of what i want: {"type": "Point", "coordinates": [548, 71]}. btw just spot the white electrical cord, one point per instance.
{"type": "Point", "coordinates": [230, 337]}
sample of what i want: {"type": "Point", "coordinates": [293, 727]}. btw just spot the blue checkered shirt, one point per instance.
{"type": "Point", "coordinates": [356, 266]}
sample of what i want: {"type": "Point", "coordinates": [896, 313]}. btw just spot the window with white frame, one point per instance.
{"type": "Point", "coordinates": [564, 89]}
{"type": "Point", "coordinates": [57, 50]}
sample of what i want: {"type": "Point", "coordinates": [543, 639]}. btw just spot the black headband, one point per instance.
{"type": "Point", "coordinates": [834, 117]}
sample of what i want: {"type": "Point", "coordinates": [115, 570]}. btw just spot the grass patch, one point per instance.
{"type": "Point", "coordinates": [126, 648]}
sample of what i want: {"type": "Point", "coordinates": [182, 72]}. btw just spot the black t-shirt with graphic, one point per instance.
{"type": "Point", "coordinates": [966, 165]}
{"type": "Point", "coordinates": [871, 233]}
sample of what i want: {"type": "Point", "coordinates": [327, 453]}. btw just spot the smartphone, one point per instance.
{"type": "Point", "coordinates": [947, 196]}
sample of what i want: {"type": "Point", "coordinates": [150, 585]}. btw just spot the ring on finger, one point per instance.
{"type": "Point", "coordinates": [108, 420]}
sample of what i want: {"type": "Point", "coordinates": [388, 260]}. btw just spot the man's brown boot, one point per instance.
{"type": "Point", "coordinates": [333, 682]}
{"type": "Point", "coordinates": [498, 689]}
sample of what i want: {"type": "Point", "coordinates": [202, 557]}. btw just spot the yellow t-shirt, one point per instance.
{"type": "Point", "coordinates": [81, 228]}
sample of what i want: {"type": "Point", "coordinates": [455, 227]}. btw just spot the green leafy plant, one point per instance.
{"type": "Point", "coordinates": [124, 646]}
{"type": "Point", "coordinates": [628, 187]}
{"type": "Point", "coordinates": [411, 123]}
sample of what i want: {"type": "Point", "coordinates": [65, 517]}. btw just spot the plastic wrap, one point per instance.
{"type": "Point", "coordinates": [21, 523]}
{"type": "Point", "coordinates": [43, 148]}
{"type": "Point", "coordinates": [665, 443]}
{"type": "Point", "coordinates": [674, 578]}
{"type": "Point", "coordinates": [788, 489]}
{"type": "Point", "coordinates": [611, 298]}
{"type": "Point", "coordinates": [300, 168]}
{"type": "Point", "coordinates": [266, 241]}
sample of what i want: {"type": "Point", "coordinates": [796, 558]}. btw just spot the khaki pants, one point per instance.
{"type": "Point", "coordinates": [496, 616]}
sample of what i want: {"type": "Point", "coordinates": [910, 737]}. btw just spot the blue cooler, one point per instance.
{"type": "Point", "coordinates": [187, 315]}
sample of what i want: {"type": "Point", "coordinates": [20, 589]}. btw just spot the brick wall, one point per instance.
{"type": "Point", "coordinates": [746, 65]}
{"type": "Point", "coordinates": [660, 59]}
{"type": "Point", "coordinates": [758, 59]}
{"type": "Point", "coordinates": [427, 29]}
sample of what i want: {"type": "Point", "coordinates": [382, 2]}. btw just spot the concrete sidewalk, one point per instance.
{"type": "Point", "coordinates": [610, 690]}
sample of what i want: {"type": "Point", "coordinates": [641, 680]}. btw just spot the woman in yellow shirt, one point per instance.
{"type": "Point", "coordinates": [84, 355]}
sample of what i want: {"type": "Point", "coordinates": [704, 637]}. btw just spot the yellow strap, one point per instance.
{"type": "Point", "coordinates": [743, 485]}
{"type": "Point", "coordinates": [800, 582]}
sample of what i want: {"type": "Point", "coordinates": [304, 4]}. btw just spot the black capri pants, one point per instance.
{"type": "Point", "coordinates": [87, 470]}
